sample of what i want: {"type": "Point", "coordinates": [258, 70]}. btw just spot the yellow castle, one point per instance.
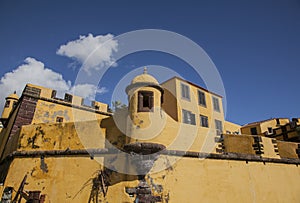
{"type": "Point", "coordinates": [171, 144]}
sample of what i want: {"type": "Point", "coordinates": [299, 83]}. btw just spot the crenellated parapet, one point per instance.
{"type": "Point", "coordinates": [263, 147]}
{"type": "Point", "coordinates": [68, 99]}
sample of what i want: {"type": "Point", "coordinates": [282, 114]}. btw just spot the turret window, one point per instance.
{"type": "Point", "coordinates": [145, 101]}
{"type": "Point", "coordinates": [14, 104]}
{"type": "Point", "coordinates": [7, 103]}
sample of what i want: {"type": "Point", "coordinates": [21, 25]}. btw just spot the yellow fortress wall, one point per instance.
{"type": "Point", "coordinates": [165, 147]}
{"type": "Point", "coordinates": [70, 180]}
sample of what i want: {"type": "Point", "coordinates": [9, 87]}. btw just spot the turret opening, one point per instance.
{"type": "Point", "coordinates": [7, 103]}
{"type": "Point", "coordinates": [145, 101]}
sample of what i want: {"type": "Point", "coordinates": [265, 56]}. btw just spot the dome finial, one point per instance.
{"type": "Point", "coordinates": [145, 70]}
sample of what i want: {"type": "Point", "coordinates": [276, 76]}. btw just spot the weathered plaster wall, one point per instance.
{"type": "Point", "coordinates": [229, 181]}
{"type": "Point", "coordinates": [288, 149]}
{"type": "Point", "coordinates": [177, 136]}
{"type": "Point", "coordinates": [61, 136]}
{"type": "Point", "coordinates": [188, 180]}
{"type": "Point", "coordinates": [64, 180]}
{"type": "Point", "coordinates": [47, 112]}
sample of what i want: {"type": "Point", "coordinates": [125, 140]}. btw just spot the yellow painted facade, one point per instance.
{"type": "Point", "coordinates": [264, 127]}
{"type": "Point", "coordinates": [192, 104]}
{"type": "Point", "coordinates": [49, 108]}
{"type": "Point", "coordinates": [165, 147]}
{"type": "Point", "coordinates": [232, 128]}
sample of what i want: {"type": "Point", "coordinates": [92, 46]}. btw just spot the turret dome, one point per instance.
{"type": "Point", "coordinates": [13, 96]}
{"type": "Point", "coordinates": [145, 78]}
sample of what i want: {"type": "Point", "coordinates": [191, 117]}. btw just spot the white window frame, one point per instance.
{"type": "Point", "coordinates": [216, 104]}
{"type": "Point", "coordinates": [185, 91]}
{"type": "Point", "coordinates": [188, 117]}
{"type": "Point", "coordinates": [217, 122]}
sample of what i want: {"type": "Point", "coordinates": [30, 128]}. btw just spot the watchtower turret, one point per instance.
{"type": "Point", "coordinates": [10, 104]}
{"type": "Point", "coordinates": [145, 99]}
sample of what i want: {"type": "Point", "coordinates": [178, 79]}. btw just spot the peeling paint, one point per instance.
{"type": "Point", "coordinates": [158, 188]}
{"type": "Point", "coordinates": [43, 165]}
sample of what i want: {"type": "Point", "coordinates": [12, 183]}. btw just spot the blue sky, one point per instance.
{"type": "Point", "coordinates": [255, 45]}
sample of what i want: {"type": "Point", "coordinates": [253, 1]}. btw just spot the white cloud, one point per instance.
{"type": "Point", "coordinates": [93, 52]}
{"type": "Point", "coordinates": [87, 90]}
{"type": "Point", "coordinates": [35, 72]}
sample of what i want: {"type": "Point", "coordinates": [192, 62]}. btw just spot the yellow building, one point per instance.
{"type": "Point", "coordinates": [10, 104]}
{"type": "Point", "coordinates": [191, 104]}
{"type": "Point", "coordinates": [264, 127]}
{"type": "Point", "coordinates": [171, 144]}
{"type": "Point", "coordinates": [288, 131]}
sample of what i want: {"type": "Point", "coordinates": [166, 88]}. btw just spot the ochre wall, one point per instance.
{"type": "Point", "coordinates": [230, 181]}
{"type": "Point", "coordinates": [176, 135]}
{"type": "Point", "coordinates": [47, 112]}
{"type": "Point", "coordinates": [61, 136]}
{"type": "Point", "coordinates": [169, 99]}
{"type": "Point", "coordinates": [67, 179]}
{"type": "Point", "coordinates": [188, 180]}
{"type": "Point", "coordinates": [231, 127]}
{"type": "Point", "coordinates": [247, 129]}
{"type": "Point", "coordinates": [239, 144]}
{"type": "Point", "coordinates": [288, 149]}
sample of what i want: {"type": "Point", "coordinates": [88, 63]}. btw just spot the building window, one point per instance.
{"type": "Point", "coordinates": [219, 126]}
{"type": "Point", "coordinates": [188, 117]}
{"type": "Point", "coordinates": [7, 103]}
{"type": "Point", "coordinates": [204, 121]}
{"type": "Point", "coordinates": [270, 130]}
{"type": "Point", "coordinates": [59, 119]}
{"type": "Point", "coordinates": [253, 131]}
{"type": "Point", "coordinates": [201, 98]}
{"type": "Point", "coordinates": [216, 104]}
{"type": "Point", "coordinates": [277, 121]}
{"type": "Point", "coordinates": [185, 91]}
{"type": "Point", "coordinates": [145, 101]}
